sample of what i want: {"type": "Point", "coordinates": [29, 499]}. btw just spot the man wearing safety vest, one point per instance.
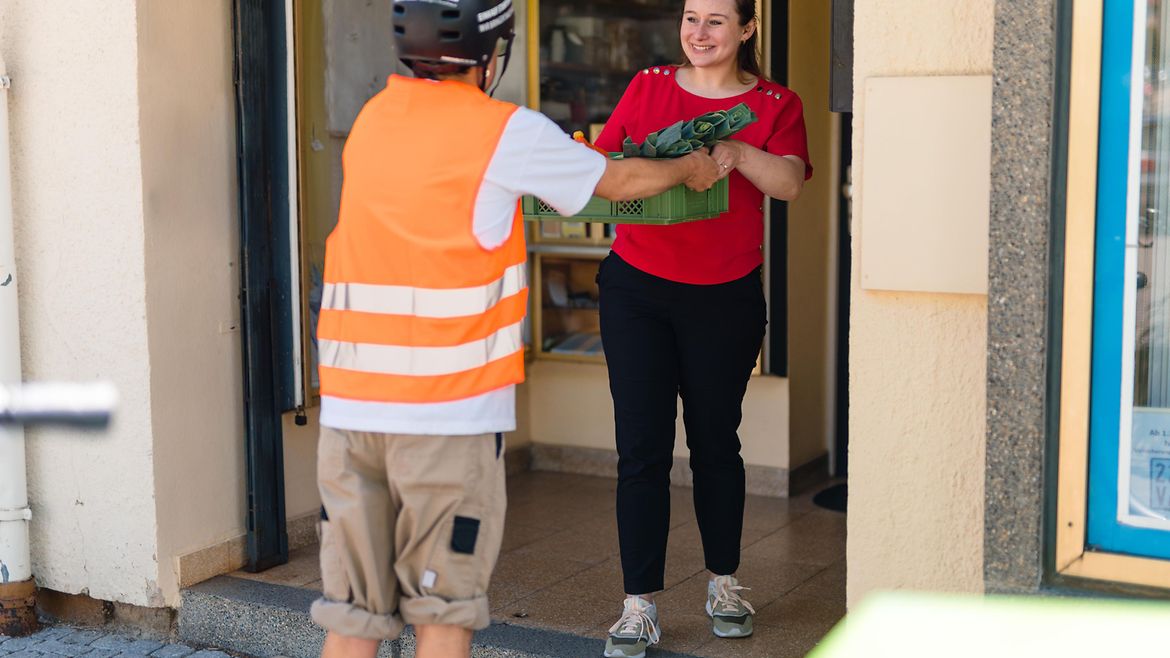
{"type": "Point", "coordinates": [420, 327]}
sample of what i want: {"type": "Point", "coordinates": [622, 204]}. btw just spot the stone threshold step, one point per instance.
{"type": "Point", "coordinates": [268, 620]}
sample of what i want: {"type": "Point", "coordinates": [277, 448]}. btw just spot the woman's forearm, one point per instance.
{"type": "Point", "coordinates": [780, 177]}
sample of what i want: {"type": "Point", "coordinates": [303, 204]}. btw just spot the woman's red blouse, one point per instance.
{"type": "Point", "coordinates": [729, 246]}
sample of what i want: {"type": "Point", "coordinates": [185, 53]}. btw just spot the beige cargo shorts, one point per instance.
{"type": "Point", "coordinates": [410, 530]}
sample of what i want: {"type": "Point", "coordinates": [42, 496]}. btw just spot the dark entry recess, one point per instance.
{"type": "Point", "coordinates": [262, 161]}
{"type": "Point", "coordinates": [778, 241]}
{"type": "Point", "coordinates": [844, 272]}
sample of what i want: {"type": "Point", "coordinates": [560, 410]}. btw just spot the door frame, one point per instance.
{"type": "Point", "coordinates": [261, 81]}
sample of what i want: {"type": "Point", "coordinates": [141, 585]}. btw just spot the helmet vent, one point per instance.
{"type": "Point", "coordinates": [399, 9]}
{"type": "Point", "coordinates": [450, 14]}
{"type": "Point", "coordinates": [450, 35]}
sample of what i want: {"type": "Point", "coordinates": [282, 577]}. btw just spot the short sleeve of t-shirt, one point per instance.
{"type": "Point", "coordinates": [536, 157]}
{"type": "Point", "coordinates": [789, 136]}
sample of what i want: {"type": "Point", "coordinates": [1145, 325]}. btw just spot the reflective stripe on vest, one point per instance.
{"type": "Point", "coordinates": [374, 387]}
{"type": "Point", "coordinates": [424, 302]}
{"type": "Point", "coordinates": [422, 361]}
{"type": "Point", "coordinates": [413, 308]}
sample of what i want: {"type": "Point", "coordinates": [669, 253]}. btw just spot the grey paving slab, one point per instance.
{"type": "Point", "coordinates": [53, 632]}
{"type": "Point", "coordinates": [103, 653]}
{"type": "Point", "coordinates": [67, 642]}
{"type": "Point", "coordinates": [61, 648]}
{"type": "Point", "coordinates": [112, 642]}
{"type": "Point", "coordinates": [128, 646]}
{"type": "Point", "coordinates": [82, 637]}
{"type": "Point", "coordinates": [19, 643]}
{"type": "Point", "coordinates": [173, 651]}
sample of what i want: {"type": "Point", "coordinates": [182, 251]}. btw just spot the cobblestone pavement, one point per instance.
{"type": "Point", "coordinates": [57, 641]}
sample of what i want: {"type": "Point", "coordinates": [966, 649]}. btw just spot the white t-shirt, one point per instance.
{"type": "Point", "coordinates": [534, 156]}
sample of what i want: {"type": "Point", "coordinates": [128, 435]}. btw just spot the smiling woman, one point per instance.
{"type": "Point", "coordinates": [659, 289]}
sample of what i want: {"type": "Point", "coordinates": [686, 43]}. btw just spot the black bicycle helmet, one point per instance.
{"type": "Point", "coordinates": [461, 32]}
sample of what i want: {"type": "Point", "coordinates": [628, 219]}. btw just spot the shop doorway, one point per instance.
{"type": "Point", "coordinates": [278, 296]}
{"type": "Point", "coordinates": [561, 544]}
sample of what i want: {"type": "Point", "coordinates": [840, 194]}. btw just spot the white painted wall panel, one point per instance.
{"type": "Point", "coordinates": [926, 155]}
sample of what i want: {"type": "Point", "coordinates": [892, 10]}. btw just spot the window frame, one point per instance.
{"type": "Point", "coordinates": [1072, 556]}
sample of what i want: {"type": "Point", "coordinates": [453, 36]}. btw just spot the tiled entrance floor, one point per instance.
{"type": "Point", "coordinates": [559, 568]}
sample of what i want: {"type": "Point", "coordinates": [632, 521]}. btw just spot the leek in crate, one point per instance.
{"type": "Point", "coordinates": [678, 204]}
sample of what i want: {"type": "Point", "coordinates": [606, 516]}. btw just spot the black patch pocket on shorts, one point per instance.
{"type": "Point", "coordinates": [464, 534]}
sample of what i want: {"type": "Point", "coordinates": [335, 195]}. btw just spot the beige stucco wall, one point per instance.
{"type": "Point", "coordinates": [78, 198]}
{"type": "Point", "coordinates": [917, 360]}
{"type": "Point", "coordinates": [187, 113]}
{"type": "Point", "coordinates": [123, 136]}
{"type": "Point", "coordinates": [812, 241]}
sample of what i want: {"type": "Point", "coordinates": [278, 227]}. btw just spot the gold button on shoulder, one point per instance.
{"type": "Point", "coordinates": [657, 70]}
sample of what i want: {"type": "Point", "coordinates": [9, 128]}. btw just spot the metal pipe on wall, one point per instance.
{"type": "Point", "coordinates": [17, 588]}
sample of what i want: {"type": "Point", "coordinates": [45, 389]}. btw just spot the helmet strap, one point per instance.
{"type": "Point", "coordinates": [499, 75]}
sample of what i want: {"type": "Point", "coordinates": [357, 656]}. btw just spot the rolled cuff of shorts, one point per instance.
{"type": "Point", "coordinates": [469, 613]}
{"type": "Point", "coordinates": [351, 621]}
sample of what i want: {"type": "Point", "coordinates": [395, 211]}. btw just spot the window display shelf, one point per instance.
{"type": "Point", "coordinates": [566, 323]}
{"type": "Point", "coordinates": [581, 56]}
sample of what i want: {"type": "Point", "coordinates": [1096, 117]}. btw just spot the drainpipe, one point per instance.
{"type": "Point", "coordinates": [17, 588]}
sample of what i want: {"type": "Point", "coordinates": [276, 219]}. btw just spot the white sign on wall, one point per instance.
{"type": "Point", "coordinates": [1144, 471]}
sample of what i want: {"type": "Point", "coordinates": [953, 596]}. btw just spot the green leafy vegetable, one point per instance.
{"type": "Point", "coordinates": [681, 138]}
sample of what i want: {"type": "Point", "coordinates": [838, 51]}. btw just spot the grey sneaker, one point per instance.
{"type": "Point", "coordinates": [731, 616]}
{"type": "Point", "coordinates": [636, 630]}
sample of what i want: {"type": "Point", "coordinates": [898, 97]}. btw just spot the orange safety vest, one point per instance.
{"type": "Point", "coordinates": [414, 309]}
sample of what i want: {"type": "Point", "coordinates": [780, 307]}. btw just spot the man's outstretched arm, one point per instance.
{"type": "Point", "coordinates": [638, 178]}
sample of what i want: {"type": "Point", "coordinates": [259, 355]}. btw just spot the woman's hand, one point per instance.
{"type": "Point", "coordinates": [780, 177]}
{"type": "Point", "coordinates": [728, 154]}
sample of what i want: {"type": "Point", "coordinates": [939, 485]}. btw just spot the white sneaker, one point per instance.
{"type": "Point", "coordinates": [636, 630]}
{"type": "Point", "coordinates": [731, 615]}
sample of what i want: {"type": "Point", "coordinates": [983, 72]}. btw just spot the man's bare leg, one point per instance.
{"type": "Point", "coordinates": [442, 641]}
{"type": "Point", "coordinates": [342, 646]}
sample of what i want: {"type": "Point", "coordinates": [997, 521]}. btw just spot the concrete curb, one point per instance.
{"type": "Point", "coordinates": [267, 620]}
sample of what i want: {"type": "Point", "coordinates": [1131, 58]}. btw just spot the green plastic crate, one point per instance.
{"type": "Point", "coordinates": [674, 206]}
